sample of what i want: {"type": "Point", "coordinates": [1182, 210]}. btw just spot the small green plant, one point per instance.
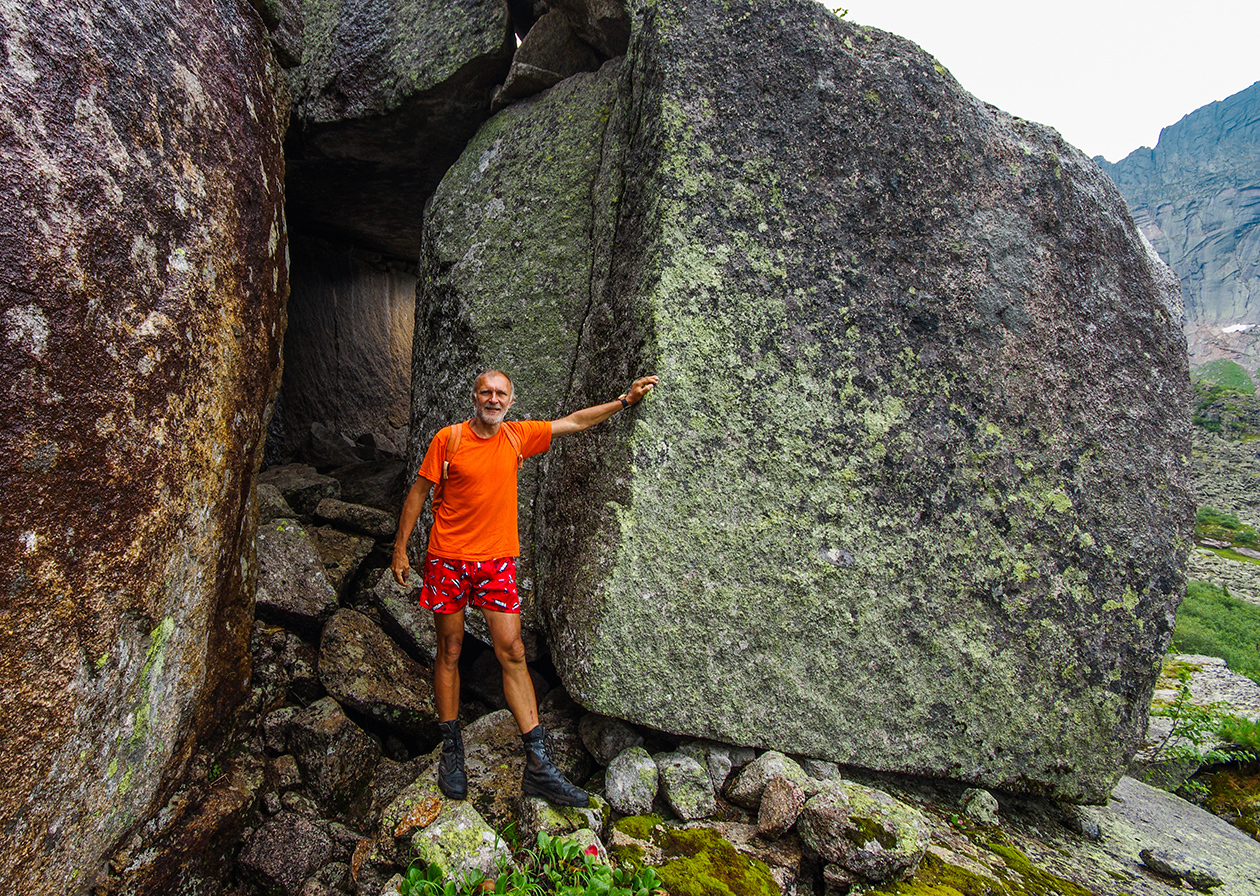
{"type": "Point", "coordinates": [1243, 732]}
{"type": "Point", "coordinates": [1193, 735]}
{"type": "Point", "coordinates": [554, 865]}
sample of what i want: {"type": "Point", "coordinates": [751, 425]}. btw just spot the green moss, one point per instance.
{"type": "Point", "coordinates": [864, 830]}
{"type": "Point", "coordinates": [640, 827]}
{"type": "Point", "coordinates": [700, 863]}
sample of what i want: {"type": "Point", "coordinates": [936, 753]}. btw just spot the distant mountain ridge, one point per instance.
{"type": "Point", "coordinates": [1196, 197]}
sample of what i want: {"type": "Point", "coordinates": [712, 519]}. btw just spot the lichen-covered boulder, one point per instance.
{"type": "Point", "coordinates": [460, 842]}
{"type": "Point", "coordinates": [867, 831]}
{"type": "Point", "coordinates": [631, 780]}
{"type": "Point", "coordinates": [141, 312]}
{"type": "Point", "coordinates": [685, 786]}
{"type": "Point", "coordinates": [368, 673]}
{"type": "Point", "coordinates": [535, 815]}
{"type": "Point", "coordinates": [301, 485]}
{"type": "Point", "coordinates": [922, 400]}
{"type": "Point", "coordinates": [281, 854]}
{"type": "Point", "coordinates": [384, 100]}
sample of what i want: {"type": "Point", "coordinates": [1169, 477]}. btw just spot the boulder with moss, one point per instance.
{"type": "Point", "coordinates": [922, 400]}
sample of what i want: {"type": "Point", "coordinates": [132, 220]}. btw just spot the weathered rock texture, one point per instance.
{"type": "Point", "coordinates": [916, 468]}
{"type": "Point", "coordinates": [347, 350]}
{"type": "Point", "coordinates": [385, 99]}
{"type": "Point", "coordinates": [1196, 196]}
{"type": "Point", "coordinates": [144, 278]}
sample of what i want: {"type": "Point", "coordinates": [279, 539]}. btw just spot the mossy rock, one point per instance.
{"type": "Point", "coordinates": [694, 861]}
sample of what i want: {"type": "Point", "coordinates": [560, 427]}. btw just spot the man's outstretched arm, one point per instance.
{"type": "Point", "coordinates": [406, 522]}
{"type": "Point", "coordinates": [596, 414]}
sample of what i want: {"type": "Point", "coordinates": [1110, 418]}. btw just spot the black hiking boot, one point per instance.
{"type": "Point", "coordinates": [450, 772]}
{"type": "Point", "coordinates": [542, 778]}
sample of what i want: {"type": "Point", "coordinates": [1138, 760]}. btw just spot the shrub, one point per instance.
{"type": "Point", "coordinates": [1212, 623]}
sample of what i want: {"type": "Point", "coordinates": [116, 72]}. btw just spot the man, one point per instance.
{"type": "Point", "coordinates": [471, 557]}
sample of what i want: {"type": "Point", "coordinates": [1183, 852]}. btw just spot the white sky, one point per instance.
{"type": "Point", "coordinates": [1106, 74]}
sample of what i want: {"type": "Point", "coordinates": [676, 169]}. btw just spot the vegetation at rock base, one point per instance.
{"type": "Point", "coordinates": [554, 865]}
{"type": "Point", "coordinates": [1212, 623]}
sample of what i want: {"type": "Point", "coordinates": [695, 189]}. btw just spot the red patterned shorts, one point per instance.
{"type": "Point", "coordinates": [449, 584]}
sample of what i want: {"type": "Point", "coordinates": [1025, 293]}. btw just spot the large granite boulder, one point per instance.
{"type": "Point", "coordinates": [912, 492]}
{"type": "Point", "coordinates": [384, 100]}
{"type": "Point", "coordinates": [144, 280]}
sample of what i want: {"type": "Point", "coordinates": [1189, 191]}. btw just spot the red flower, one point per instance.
{"type": "Point", "coordinates": [592, 850]}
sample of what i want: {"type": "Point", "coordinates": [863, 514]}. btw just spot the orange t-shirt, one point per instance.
{"type": "Point", "coordinates": [477, 517]}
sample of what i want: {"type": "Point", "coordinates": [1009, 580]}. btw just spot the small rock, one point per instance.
{"type": "Point", "coordinates": [980, 805]}
{"type": "Point", "coordinates": [459, 842]}
{"type": "Point", "coordinates": [283, 773]}
{"type": "Point", "coordinates": [358, 518]}
{"type": "Point", "coordinates": [1179, 866]}
{"type": "Point", "coordinates": [745, 790]}
{"type": "Point", "coordinates": [284, 852]}
{"type": "Point", "coordinates": [271, 504]}
{"type": "Point", "coordinates": [781, 803]}
{"type": "Point", "coordinates": [864, 830]}
{"type": "Point", "coordinates": [685, 786]}
{"type": "Point", "coordinates": [631, 781]}
{"type": "Point", "coordinates": [537, 815]}
{"type": "Point", "coordinates": [336, 756]}
{"type": "Point", "coordinates": [838, 881]}
{"type": "Point", "coordinates": [271, 802]}
{"type": "Point", "coordinates": [276, 728]}
{"type": "Point", "coordinates": [302, 487]}
{"type": "Point", "coordinates": [300, 803]}
{"type": "Point", "coordinates": [368, 673]}
{"type": "Point", "coordinates": [1083, 821]}
{"type": "Point", "coordinates": [820, 769]}
{"type": "Point", "coordinates": [340, 552]}
{"type": "Point", "coordinates": [293, 590]}
{"type": "Point", "coordinates": [715, 757]}
{"type": "Point", "coordinates": [606, 737]}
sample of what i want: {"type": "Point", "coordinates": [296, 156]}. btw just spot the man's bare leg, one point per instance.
{"type": "Point", "coordinates": [541, 778]}
{"type": "Point", "coordinates": [518, 687]}
{"type": "Point", "coordinates": [450, 639]}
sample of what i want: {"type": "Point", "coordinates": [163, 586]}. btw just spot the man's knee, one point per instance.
{"type": "Point", "coordinates": [511, 651]}
{"type": "Point", "coordinates": [448, 649]}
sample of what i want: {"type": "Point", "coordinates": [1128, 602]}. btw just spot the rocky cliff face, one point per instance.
{"type": "Point", "coordinates": [142, 297]}
{"type": "Point", "coordinates": [1196, 197]}
{"type": "Point", "coordinates": [912, 494]}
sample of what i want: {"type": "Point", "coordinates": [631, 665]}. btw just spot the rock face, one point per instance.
{"type": "Point", "coordinates": [142, 299]}
{"type": "Point", "coordinates": [1196, 196]}
{"type": "Point", "coordinates": [347, 350]}
{"type": "Point", "coordinates": [920, 436]}
{"type": "Point", "coordinates": [384, 100]}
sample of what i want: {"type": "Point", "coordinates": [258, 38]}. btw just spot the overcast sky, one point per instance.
{"type": "Point", "coordinates": [1106, 74]}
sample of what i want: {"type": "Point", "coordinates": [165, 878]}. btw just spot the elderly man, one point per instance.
{"type": "Point", "coordinates": [473, 545]}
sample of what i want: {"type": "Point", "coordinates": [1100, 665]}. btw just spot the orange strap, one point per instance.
{"type": "Point", "coordinates": [452, 445]}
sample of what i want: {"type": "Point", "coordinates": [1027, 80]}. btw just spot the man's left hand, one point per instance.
{"type": "Point", "coordinates": [642, 386]}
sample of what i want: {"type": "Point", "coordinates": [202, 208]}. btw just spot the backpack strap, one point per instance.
{"type": "Point", "coordinates": [514, 438]}
{"type": "Point", "coordinates": [452, 445]}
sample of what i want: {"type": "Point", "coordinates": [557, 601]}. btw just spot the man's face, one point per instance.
{"type": "Point", "coordinates": [492, 398]}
